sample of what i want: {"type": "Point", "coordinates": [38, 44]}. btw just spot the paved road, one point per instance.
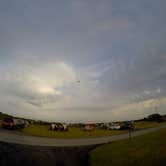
{"type": "Point", "coordinates": [16, 137]}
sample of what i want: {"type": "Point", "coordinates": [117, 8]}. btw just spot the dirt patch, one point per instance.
{"type": "Point", "coordinates": [18, 155]}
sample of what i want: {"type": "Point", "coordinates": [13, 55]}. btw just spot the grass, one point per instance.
{"type": "Point", "coordinates": [42, 131]}
{"type": "Point", "coordinates": [146, 124]}
{"type": "Point", "coordinates": [146, 150]}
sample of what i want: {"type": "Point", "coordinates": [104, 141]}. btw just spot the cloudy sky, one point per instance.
{"type": "Point", "coordinates": [83, 60]}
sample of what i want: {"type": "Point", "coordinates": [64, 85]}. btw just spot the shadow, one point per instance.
{"type": "Point", "coordinates": [18, 155]}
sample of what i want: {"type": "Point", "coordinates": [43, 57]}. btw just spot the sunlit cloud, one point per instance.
{"type": "Point", "coordinates": [38, 86]}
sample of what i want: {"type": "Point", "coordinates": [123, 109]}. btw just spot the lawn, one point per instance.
{"type": "Point", "coordinates": [146, 124]}
{"type": "Point", "coordinates": [43, 131]}
{"type": "Point", "coordinates": [146, 150]}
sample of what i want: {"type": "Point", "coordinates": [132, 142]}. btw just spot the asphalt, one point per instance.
{"type": "Point", "coordinates": [18, 138]}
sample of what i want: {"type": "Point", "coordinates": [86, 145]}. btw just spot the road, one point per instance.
{"type": "Point", "coordinates": [18, 138]}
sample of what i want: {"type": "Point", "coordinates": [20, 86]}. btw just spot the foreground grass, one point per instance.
{"type": "Point", "coordinates": [146, 150]}
{"type": "Point", "coordinates": [42, 131]}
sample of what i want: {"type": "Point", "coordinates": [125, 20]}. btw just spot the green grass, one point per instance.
{"type": "Point", "coordinates": [146, 124]}
{"type": "Point", "coordinates": [146, 150]}
{"type": "Point", "coordinates": [42, 131]}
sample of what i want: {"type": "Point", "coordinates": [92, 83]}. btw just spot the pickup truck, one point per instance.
{"type": "Point", "coordinates": [13, 123]}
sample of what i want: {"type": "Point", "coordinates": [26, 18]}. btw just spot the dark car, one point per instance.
{"type": "Point", "coordinates": [127, 125]}
{"type": "Point", "coordinates": [8, 123]}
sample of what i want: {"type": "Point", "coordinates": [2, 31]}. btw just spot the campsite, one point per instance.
{"type": "Point", "coordinates": [82, 82]}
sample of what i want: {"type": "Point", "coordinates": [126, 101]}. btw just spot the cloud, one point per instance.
{"type": "Point", "coordinates": [82, 56]}
{"type": "Point", "coordinates": [140, 110]}
{"type": "Point", "coordinates": [148, 94]}
{"type": "Point", "coordinates": [96, 71]}
{"type": "Point", "coordinates": [37, 85]}
{"type": "Point", "coordinates": [116, 24]}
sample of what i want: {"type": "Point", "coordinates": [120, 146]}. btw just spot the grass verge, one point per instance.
{"type": "Point", "coordinates": [146, 150]}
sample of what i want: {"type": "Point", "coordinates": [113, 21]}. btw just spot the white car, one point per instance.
{"type": "Point", "coordinates": [115, 127]}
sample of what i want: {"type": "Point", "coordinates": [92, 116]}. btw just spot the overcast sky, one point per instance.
{"type": "Point", "coordinates": [83, 60]}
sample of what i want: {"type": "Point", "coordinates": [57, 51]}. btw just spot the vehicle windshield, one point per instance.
{"type": "Point", "coordinates": [8, 120]}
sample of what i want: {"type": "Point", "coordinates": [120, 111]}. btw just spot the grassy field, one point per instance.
{"type": "Point", "coordinates": [42, 131]}
{"type": "Point", "coordinates": [146, 124]}
{"type": "Point", "coordinates": [146, 150]}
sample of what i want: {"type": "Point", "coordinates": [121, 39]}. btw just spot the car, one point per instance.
{"type": "Point", "coordinates": [88, 127]}
{"type": "Point", "coordinates": [65, 127]}
{"type": "Point", "coordinates": [58, 127]}
{"type": "Point", "coordinates": [7, 122]}
{"type": "Point", "coordinates": [53, 127]}
{"type": "Point", "coordinates": [12, 123]}
{"type": "Point", "coordinates": [127, 125]}
{"type": "Point", "coordinates": [115, 127]}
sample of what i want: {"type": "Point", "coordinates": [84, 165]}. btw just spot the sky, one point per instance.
{"type": "Point", "coordinates": [83, 60]}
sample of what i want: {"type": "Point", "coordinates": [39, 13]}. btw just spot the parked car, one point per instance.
{"type": "Point", "coordinates": [119, 126]}
{"type": "Point", "coordinates": [114, 126]}
{"type": "Point", "coordinates": [26, 123]}
{"type": "Point", "coordinates": [53, 127]}
{"type": "Point", "coordinates": [88, 127]}
{"type": "Point", "coordinates": [127, 125]}
{"type": "Point", "coordinates": [12, 123]}
{"type": "Point", "coordinates": [65, 127]}
{"type": "Point", "coordinates": [58, 127]}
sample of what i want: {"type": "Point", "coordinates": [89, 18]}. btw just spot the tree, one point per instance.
{"type": "Point", "coordinates": [155, 117]}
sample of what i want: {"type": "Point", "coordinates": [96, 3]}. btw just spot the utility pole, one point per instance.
{"type": "Point", "coordinates": [129, 133]}
{"type": "Point", "coordinates": [130, 129]}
